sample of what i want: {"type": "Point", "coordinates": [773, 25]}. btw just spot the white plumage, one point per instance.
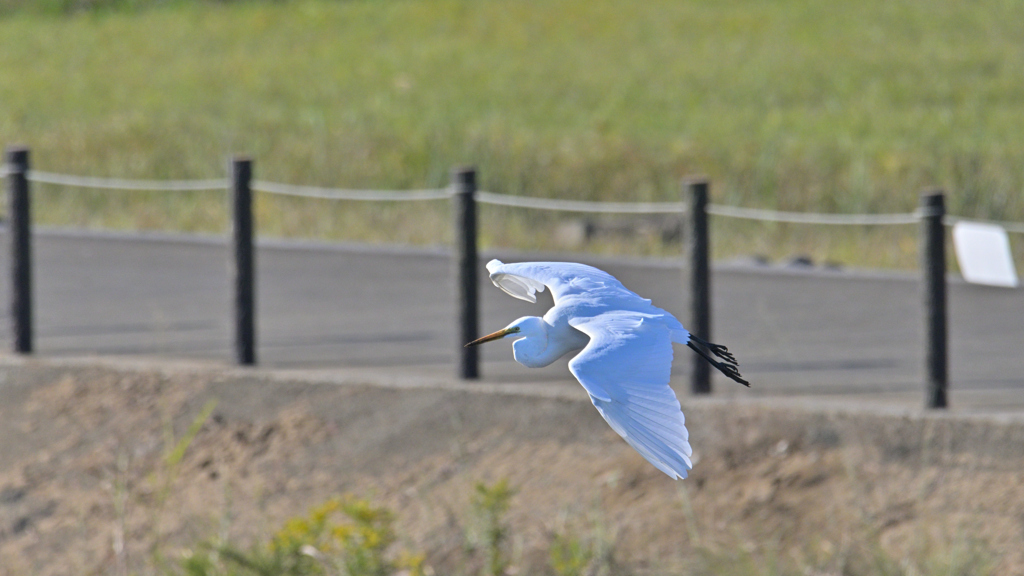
{"type": "Point", "coordinates": [625, 351]}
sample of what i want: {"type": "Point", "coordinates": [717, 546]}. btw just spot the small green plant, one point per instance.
{"type": "Point", "coordinates": [316, 545]}
{"type": "Point", "coordinates": [167, 471]}
{"type": "Point", "coordinates": [490, 531]}
{"type": "Point", "coordinates": [569, 555]}
{"type": "Point", "coordinates": [589, 548]}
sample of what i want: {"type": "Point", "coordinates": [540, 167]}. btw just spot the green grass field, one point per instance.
{"type": "Point", "coordinates": [788, 104]}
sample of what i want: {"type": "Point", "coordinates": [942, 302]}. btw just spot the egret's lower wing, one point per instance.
{"type": "Point", "coordinates": [626, 369]}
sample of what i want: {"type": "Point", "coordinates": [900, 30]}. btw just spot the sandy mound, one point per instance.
{"type": "Point", "coordinates": [86, 486]}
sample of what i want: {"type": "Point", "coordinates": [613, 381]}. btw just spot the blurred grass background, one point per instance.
{"type": "Point", "coordinates": [789, 104]}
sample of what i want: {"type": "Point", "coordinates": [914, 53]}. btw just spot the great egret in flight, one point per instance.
{"type": "Point", "coordinates": [625, 351]}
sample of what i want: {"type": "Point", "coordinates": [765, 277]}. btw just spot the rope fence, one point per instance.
{"type": "Point", "coordinates": [1014, 227]}
{"type": "Point", "coordinates": [345, 194]}
{"type": "Point", "coordinates": [464, 196]}
{"type": "Point", "coordinates": [121, 184]}
{"type": "Point", "coordinates": [580, 205]}
{"type": "Point", "coordinates": [496, 199]}
{"type": "Point", "coordinates": [812, 218]}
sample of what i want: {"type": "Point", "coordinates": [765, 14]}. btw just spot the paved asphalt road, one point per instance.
{"type": "Point", "coordinates": [323, 306]}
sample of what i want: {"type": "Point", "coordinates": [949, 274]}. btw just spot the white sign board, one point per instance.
{"type": "Point", "coordinates": [983, 252]}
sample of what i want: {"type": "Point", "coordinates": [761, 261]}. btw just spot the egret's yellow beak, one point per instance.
{"type": "Point", "coordinates": [495, 336]}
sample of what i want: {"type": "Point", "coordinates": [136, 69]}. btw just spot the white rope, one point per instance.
{"type": "Point", "coordinates": [119, 184]}
{"type": "Point", "coordinates": [1013, 227]}
{"type": "Point", "coordinates": [342, 194]}
{"type": "Point", "coordinates": [502, 200]}
{"type": "Point", "coordinates": [580, 205]}
{"type": "Point", "coordinates": [810, 217]}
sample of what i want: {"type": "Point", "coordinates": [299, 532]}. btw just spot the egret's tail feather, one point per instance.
{"type": "Point", "coordinates": [729, 370]}
{"type": "Point", "coordinates": [716, 349]}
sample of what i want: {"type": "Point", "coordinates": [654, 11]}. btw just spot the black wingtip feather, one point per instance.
{"type": "Point", "coordinates": [723, 353]}
{"type": "Point", "coordinates": [716, 349]}
{"type": "Point", "coordinates": [733, 373]}
{"type": "Point", "coordinates": [731, 370]}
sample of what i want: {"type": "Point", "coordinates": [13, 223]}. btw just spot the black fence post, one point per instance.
{"type": "Point", "coordinates": [19, 228]}
{"type": "Point", "coordinates": [244, 262]}
{"type": "Point", "coordinates": [697, 254]}
{"type": "Point", "coordinates": [933, 271]}
{"type": "Point", "coordinates": [465, 270]}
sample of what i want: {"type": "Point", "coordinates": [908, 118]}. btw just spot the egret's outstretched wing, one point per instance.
{"type": "Point", "coordinates": [626, 368]}
{"type": "Point", "coordinates": [525, 279]}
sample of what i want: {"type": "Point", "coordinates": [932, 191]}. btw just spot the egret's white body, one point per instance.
{"type": "Point", "coordinates": [624, 346]}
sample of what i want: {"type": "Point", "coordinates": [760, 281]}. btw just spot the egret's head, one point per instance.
{"type": "Point", "coordinates": [521, 328]}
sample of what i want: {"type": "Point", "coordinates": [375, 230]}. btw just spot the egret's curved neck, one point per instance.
{"type": "Point", "coordinates": [541, 344]}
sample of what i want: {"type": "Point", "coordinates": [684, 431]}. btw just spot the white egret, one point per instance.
{"type": "Point", "coordinates": [625, 351]}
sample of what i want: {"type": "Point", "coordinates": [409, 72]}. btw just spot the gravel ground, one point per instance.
{"type": "Point", "coordinates": [85, 487]}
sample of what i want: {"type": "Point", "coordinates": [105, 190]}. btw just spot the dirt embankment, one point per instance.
{"type": "Point", "coordinates": [85, 486]}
